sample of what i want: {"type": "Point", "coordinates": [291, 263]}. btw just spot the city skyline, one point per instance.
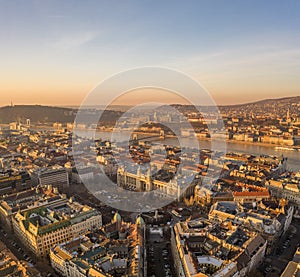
{"type": "Point", "coordinates": [56, 54]}
{"type": "Point", "coordinates": [118, 103]}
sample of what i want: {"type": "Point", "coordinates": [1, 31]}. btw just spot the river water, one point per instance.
{"type": "Point", "coordinates": [293, 156]}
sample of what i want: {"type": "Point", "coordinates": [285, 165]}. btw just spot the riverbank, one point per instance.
{"type": "Point", "coordinates": [109, 130]}
{"type": "Point", "coordinates": [264, 144]}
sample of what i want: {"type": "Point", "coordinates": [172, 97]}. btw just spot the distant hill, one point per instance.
{"type": "Point", "coordinates": [269, 102]}
{"type": "Point", "coordinates": [278, 106]}
{"type": "Point", "coordinates": [36, 113]}
{"type": "Point", "coordinates": [43, 114]}
{"type": "Point", "coordinates": [47, 114]}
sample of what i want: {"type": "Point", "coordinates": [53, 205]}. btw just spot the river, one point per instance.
{"type": "Point", "coordinates": [293, 156]}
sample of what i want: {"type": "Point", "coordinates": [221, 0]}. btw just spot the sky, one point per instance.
{"type": "Point", "coordinates": [56, 52]}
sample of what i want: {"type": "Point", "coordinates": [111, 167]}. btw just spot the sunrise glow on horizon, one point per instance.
{"type": "Point", "coordinates": [55, 53]}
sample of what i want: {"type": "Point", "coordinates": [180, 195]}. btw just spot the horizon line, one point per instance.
{"type": "Point", "coordinates": [127, 105]}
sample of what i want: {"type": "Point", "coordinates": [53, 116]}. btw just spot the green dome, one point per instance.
{"type": "Point", "coordinates": [140, 221]}
{"type": "Point", "coordinates": [117, 217]}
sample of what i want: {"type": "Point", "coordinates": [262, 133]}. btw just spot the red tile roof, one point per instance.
{"type": "Point", "coordinates": [251, 193]}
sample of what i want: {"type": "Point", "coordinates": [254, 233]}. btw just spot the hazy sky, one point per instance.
{"type": "Point", "coordinates": [55, 52]}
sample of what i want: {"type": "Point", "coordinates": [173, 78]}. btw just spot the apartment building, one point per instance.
{"type": "Point", "coordinates": [204, 247]}
{"type": "Point", "coordinates": [100, 256]}
{"type": "Point", "coordinates": [57, 176]}
{"type": "Point", "coordinates": [41, 228]}
{"type": "Point", "coordinates": [34, 197]}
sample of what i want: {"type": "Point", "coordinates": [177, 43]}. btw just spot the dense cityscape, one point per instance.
{"type": "Point", "coordinates": [149, 138]}
{"type": "Point", "coordinates": [238, 217]}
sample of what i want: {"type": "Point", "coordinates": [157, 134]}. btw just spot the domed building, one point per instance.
{"type": "Point", "coordinates": [117, 218]}
{"type": "Point", "coordinates": [140, 221]}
